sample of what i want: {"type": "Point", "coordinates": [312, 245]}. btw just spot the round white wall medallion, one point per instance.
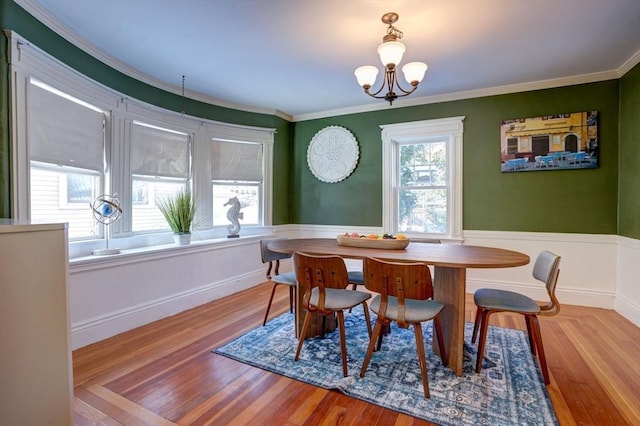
{"type": "Point", "coordinates": [332, 154]}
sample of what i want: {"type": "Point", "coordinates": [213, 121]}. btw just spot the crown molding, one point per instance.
{"type": "Point", "coordinates": [629, 64]}
{"type": "Point", "coordinates": [469, 94]}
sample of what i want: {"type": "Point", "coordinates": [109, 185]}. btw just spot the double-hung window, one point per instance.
{"type": "Point", "coordinates": [422, 174]}
{"type": "Point", "coordinates": [160, 167]}
{"type": "Point", "coordinates": [66, 156]}
{"type": "Point", "coordinates": [236, 172]}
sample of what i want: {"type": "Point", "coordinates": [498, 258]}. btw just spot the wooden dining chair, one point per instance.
{"type": "Point", "coordinates": [490, 301]}
{"type": "Point", "coordinates": [325, 280]}
{"type": "Point", "coordinates": [272, 259]}
{"type": "Point", "coordinates": [405, 296]}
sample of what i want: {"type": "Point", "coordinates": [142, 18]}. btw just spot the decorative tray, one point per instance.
{"type": "Point", "coordinates": [387, 244]}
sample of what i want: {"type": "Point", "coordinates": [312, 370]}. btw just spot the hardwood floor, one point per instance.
{"type": "Point", "coordinates": [164, 373]}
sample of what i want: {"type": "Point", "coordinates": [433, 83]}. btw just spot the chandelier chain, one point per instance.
{"type": "Point", "coordinates": [393, 31]}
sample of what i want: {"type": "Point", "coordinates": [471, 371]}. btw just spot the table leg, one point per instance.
{"type": "Point", "coordinates": [449, 287]}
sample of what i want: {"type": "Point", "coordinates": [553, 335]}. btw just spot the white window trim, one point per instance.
{"type": "Point", "coordinates": [27, 60]}
{"type": "Point", "coordinates": [416, 131]}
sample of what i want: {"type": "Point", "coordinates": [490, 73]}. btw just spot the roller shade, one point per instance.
{"type": "Point", "coordinates": [64, 132]}
{"type": "Point", "coordinates": [159, 152]}
{"type": "Point", "coordinates": [236, 161]}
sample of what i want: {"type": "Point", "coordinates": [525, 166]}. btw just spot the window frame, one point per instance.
{"type": "Point", "coordinates": [393, 135]}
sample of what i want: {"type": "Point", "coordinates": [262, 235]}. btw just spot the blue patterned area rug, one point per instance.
{"type": "Point", "coordinates": [509, 390]}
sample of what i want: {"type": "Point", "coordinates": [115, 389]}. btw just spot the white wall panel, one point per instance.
{"type": "Point", "coordinates": [628, 289]}
{"type": "Point", "coordinates": [587, 270]}
{"type": "Point", "coordinates": [121, 292]}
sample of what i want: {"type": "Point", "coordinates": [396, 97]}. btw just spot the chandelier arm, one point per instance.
{"type": "Point", "coordinates": [406, 92]}
{"type": "Point", "coordinates": [390, 82]}
{"type": "Point", "coordinates": [374, 95]}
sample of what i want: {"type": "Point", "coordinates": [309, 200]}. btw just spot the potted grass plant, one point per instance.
{"type": "Point", "coordinates": [179, 211]}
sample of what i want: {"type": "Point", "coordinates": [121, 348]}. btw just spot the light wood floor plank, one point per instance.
{"type": "Point", "coordinates": [164, 373]}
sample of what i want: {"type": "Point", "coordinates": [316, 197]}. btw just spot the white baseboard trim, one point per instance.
{"type": "Point", "coordinates": [95, 329]}
{"type": "Point", "coordinates": [628, 309]}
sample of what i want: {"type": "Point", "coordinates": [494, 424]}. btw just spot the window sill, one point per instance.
{"type": "Point", "coordinates": [158, 251]}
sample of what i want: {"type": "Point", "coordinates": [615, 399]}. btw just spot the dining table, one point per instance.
{"type": "Point", "coordinates": [450, 263]}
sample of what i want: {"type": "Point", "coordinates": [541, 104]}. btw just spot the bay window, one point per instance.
{"type": "Point", "coordinates": [75, 140]}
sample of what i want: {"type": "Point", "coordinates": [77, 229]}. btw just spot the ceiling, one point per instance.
{"type": "Point", "coordinates": [298, 56]}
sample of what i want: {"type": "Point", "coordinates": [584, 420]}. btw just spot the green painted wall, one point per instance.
{"type": "Point", "coordinates": [13, 17]}
{"type": "Point", "coordinates": [583, 201]}
{"type": "Point", "coordinates": [579, 201]}
{"type": "Point", "coordinates": [629, 158]}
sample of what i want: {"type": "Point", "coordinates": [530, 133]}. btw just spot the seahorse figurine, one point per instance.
{"type": "Point", "coordinates": [233, 214]}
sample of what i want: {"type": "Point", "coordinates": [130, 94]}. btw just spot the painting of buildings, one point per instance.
{"type": "Point", "coordinates": [550, 142]}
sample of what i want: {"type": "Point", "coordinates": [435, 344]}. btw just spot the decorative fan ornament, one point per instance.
{"type": "Point", "coordinates": [333, 154]}
{"type": "Point", "coordinates": [106, 210]}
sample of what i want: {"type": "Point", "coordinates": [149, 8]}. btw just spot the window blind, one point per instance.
{"type": "Point", "coordinates": [236, 161]}
{"type": "Point", "coordinates": [159, 152]}
{"type": "Point", "coordinates": [64, 132]}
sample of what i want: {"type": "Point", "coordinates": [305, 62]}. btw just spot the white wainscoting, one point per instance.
{"type": "Point", "coordinates": [628, 289]}
{"type": "Point", "coordinates": [596, 270]}
{"type": "Point", "coordinates": [587, 269]}
{"type": "Point", "coordinates": [111, 296]}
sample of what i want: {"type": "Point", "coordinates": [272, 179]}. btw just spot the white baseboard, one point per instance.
{"type": "Point", "coordinates": [628, 309]}
{"type": "Point", "coordinates": [95, 329]}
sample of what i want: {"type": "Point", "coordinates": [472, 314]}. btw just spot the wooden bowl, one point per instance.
{"type": "Point", "coordinates": [387, 244]}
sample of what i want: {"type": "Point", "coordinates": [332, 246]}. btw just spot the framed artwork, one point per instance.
{"type": "Point", "coordinates": [549, 142]}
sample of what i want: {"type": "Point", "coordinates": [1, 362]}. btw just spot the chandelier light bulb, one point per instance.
{"type": "Point", "coordinates": [391, 52]}
{"type": "Point", "coordinates": [414, 72]}
{"type": "Point", "coordinates": [366, 75]}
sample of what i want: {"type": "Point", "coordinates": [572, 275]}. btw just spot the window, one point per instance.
{"type": "Point", "coordinates": [423, 187]}
{"type": "Point", "coordinates": [422, 172]}
{"type": "Point", "coordinates": [160, 166]}
{"type": "Point", "coordinates": [236, 171]}
{"type": "Point", "coordinates": [66, 158]}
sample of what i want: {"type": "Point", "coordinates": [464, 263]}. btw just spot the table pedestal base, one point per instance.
{"type": "Point", "coordinates": [449, 287]}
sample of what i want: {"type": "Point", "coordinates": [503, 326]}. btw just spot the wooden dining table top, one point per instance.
{"type": "Point", "coordinates": [442, 255]}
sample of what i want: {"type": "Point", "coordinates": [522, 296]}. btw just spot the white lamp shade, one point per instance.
{"type": "Point", "coordinates": [414, 71]}
{"type": "Point", "coordinates": [366, 75]}
{"type": "Point", "coordinates": [391, 52]}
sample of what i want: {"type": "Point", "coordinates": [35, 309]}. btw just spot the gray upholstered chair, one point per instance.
{"type": "Point", "coordinates": [490, 301]}
{"type": "Point", "coordinates": [288, 279]}
{"type": "Point", "coordinates": [405, 296]}
{"type": "Point", "coordinates": [273, 258]}
{"type": "Point", "coordinates": [325, 281]}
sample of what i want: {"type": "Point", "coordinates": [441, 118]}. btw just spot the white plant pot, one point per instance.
{"type": "Point", "coordinates": [182, 239]}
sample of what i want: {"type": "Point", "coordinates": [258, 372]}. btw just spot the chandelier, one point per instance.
{"type": "Point", "coordinates": [391, 51]}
